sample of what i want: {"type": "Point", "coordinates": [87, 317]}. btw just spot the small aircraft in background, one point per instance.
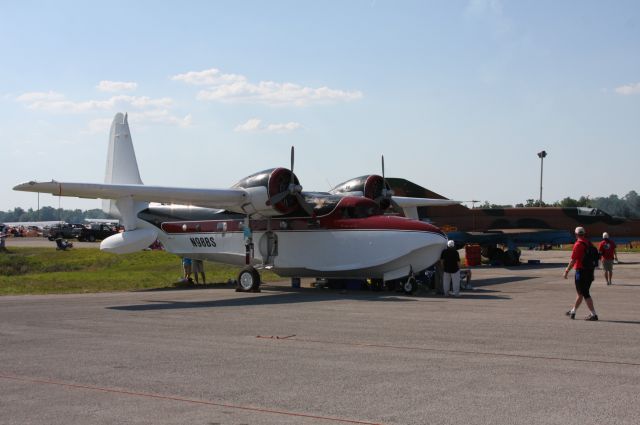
{"type": "Point", "coordinates": [494, 228]}
{"type": "Point", "coordinates": [263, 221]}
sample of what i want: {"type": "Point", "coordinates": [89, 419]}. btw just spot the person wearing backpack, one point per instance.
{"type": "Point", "coordinates": [607, 250]}
{"type": "Point", "coordinates": [584, 259]}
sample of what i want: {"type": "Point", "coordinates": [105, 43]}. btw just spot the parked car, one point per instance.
{"type": "Point", "coordinates": [32, 231]}
{"type": "Point", "coordinates": [96, 232]}
{"type": "Point", "coordinates": [65, 231]}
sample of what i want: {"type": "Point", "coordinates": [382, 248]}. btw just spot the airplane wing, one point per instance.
{"type": "Point", "coordinates": [405, 202]}
{"type": "Point", "coordinates": [517, 231]}
{"type": "Point", "coordinates": [410, 205]}
{"type": "Point", "coordinates": [209, 198]}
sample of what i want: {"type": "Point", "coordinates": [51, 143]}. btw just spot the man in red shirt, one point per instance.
{"type": "Point", "coordinates": [607, 250]}
{"type": "Point", "coordinates": [583, 277]}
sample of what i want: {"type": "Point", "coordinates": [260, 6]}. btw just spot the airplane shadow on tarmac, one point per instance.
{"type": "Point", "coordinates": [244, 300]}
{"type": "Point", "coordinates": [499, 280]}
{"type": "Point", "coordinates": [290, 296]}
{"type": "Point", "coordinates": [624, 322]}
{"type": "Point", "coordinates": [525, 266]}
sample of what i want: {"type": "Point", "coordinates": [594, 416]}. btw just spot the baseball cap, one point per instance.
{"type": "Point", "coordinates": [605, 235]}
{"type": "Point", "coordinates": [580, 230]}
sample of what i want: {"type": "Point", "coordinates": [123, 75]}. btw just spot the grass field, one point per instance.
{"type": "Point", "coordinates": [48, 271]}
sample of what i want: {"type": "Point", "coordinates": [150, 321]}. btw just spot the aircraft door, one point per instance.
{"type": "Point", "coordinates": [268, 246]}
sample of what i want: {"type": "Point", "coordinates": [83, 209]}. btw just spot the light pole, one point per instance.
{"type": "Point", "coordinates": [541, 155]}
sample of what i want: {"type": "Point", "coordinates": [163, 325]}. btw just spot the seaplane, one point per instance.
{"type": "Point", "coordinates": [265, 221]}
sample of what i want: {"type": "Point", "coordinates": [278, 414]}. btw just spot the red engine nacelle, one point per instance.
{"type": "Point", "coordinates": [371, 186]}
{"type": "Point", "coordinates": [275, 181]}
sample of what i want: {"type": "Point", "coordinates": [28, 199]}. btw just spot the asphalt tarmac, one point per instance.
{"type": "Point", "coordinates": [502, 354]}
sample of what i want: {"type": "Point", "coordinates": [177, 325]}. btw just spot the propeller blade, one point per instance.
{"type": "Point", "coordinates": [278, 197]}
{"type": "Point", "coordinates": [292, 157]}
{"type": "Point", "coordinates": [293, 179]}
{"type": "Point", "coordinates": [385, 194]}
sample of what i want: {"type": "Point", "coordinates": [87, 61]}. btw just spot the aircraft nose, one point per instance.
{"type": "Point", "coordinates": [410, 224]}
{"type": "Point", "coordinates": [433, 229]}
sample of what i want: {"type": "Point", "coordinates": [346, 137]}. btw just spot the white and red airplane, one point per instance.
{"type": "Point", "coordinates": [263, 221]}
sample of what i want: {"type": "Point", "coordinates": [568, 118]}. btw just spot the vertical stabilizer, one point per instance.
{"type": "Point", "coordinates": [122, 167]}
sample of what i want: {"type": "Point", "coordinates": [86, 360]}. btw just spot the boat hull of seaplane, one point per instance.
{"type": "Point", "coordinates": [383, 247]}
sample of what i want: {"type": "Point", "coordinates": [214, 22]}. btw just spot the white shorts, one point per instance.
{"type": "Point", "coordinates": [198, 267]}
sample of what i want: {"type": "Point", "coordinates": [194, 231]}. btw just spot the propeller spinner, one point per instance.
{"type": "Point", "coordinates": [292, 189]}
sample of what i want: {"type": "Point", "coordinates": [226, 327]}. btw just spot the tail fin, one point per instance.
{"type": "Point", "coordinates": [122, 167]}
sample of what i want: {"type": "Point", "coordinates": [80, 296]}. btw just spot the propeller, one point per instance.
{"type": "Point", "coordinates": [385, 194]}
{"type": "Point", "coordinates": [292, 189]}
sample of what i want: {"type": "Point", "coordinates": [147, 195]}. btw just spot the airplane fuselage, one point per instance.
{"type": "Point", "coordinates": [335, 245]}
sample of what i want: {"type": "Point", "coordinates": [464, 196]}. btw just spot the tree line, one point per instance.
{"type": "Point", "coordinates": [627, 206]}
{"type": "Point", "coordinates": [50, 214]}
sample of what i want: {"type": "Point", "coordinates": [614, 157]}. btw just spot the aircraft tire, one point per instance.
{"type": "Point", "coordinates": [409, 285]}
{"type": "Point", "coordinates": [248, 280]}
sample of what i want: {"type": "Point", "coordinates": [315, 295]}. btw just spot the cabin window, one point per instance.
{"type": "Point", "coordinates": [590, 212]}
{"type": "Point", "coordinates": [360, 211]}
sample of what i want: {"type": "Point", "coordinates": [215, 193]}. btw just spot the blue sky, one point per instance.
{"type": "Point", "coordinates": [459, 95]}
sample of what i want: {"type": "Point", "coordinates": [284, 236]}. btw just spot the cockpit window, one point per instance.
{"type": "Point", "coordinates": [360, 211]}
{"type": "Point", "coordinates": [592, 212]}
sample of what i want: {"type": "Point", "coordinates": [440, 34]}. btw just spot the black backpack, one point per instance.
{"type": "Point", "coordinates": [591, 256]}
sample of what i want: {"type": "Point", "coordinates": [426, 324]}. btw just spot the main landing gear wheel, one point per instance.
{"type": "Point", "coordinates": [248, 280]}
{"type": "Point", "coordinates": [409, 286]}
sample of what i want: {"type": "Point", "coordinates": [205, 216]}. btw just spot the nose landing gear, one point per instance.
{"type": "Point", "coordinates": [409, 285]}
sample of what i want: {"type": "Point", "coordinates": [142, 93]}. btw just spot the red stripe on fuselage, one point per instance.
{"type": "Point", "coordinates": [283, 224]}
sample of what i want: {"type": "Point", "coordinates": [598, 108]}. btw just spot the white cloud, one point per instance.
{"type": "Point", "coordinates": [234, 88]}
{"type": "Point", "coordinates": [115, 86]}
{"type": "Point", "coordinates": [254, 125]}
{"type": "Point", "coordinates": [283, 128]}
{"type": "Point", "coordinates": [208, 77]}
{"type": "Point", "coordinates": [628, 89]}
{"type": "Point", "coordinates": [142, 109]}
{"type": "Point", "coordinates": [39, 96]}
{"type": "Point", "coordinates": [251, 125]}
{"type": "Point", "coordinates": [55, 102]}
{"type": "Point", "coordinates": [160, 116]}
